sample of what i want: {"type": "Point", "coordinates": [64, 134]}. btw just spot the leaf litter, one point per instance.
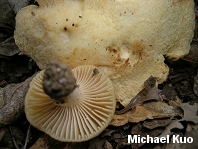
{"type": "Point", "coordinates": [190, 112]}
{"type": "Point", "coordinates": [158, 110]}
{"type": "Point", "coordinates": [12, 101]}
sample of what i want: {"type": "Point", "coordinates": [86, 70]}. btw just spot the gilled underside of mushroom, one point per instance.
{"type": "Point", "coordinates": [76, 105]}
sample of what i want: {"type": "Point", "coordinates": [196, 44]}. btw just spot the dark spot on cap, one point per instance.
{"type": "Point", "coordinates": [33, 13]}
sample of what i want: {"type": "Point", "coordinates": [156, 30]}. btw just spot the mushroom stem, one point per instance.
{"type": "Point", "coordinates": [58, 81]}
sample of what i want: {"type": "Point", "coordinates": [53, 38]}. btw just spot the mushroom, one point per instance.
{"type": "Point", "coordinates": [82, 115]}
{"type": "Point", "coordinates": [126, 39]}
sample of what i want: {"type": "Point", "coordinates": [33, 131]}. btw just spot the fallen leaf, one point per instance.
{"type": "Point", "coordinates": [191, 131]}
{"type": "Point", "coordinates": [140, 98]}
{"type": "Point", "coordinates": [192, 56]}
{"type": "Point", "coordinates": [153, 94]}
{"type": "Point", "coordinates": [150, 92]}
{"type": "Point", "coordinates": [122, 142]}
{"type": "Point", "coordinates": [15, 69]}
{"type": "Point", "coordinates": [172, 145]}
{"type": "Point", "coordinates": [168, 93]}
{"type": "Point", "coordinates": [195, 87]}
{"type": "Point", "coordinates": [120, 138]}
{"type": "Point", "coordinates": [107, 132]}
{"type": "Point", "coordinates": [7, 20]}
{"type": "Point", "coordinates": [46, 142]}
{"type": "Point", "coordinates": [150, 82]}
{"type": "Point", "coordinates": [141, 113]}
{"type": "Point", "coordinates": [12, 139]}
{"type": "Point", "coordinates": [171, 125]}
{"type": "Point", "coordinates": [2, 133]}
{"type": "Point", "coordinates": [13, 96]}
{"type": "Point", "coordinates": [8, 47]}
{"type": "Point", "coordinates": [138, 129]}
{"type": "Point", "coordinates": [185, 89]}
{"type": "Point", "coordinates": [107, 145]}
{"type": "Point", "coordinates": [1, 98]}
{"type": "Point", "coordinates": [117, 137]}
{"type": "Point", "coordinates": [159, 107]}
{"type": "Point", "coordinates": [179, 71]}
{"type": "Point", "coordinates": [151, 124]}
{"type": "Point", "coordinates": [97, 143]}
{"type": "Point", "coordinates": [17, 5]}
{"type": "Point", "coordinates": [190, 112]}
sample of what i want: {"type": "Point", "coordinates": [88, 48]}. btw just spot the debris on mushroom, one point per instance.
{"type": "Point", "coordinates": [58, 81]}
{"type": "Point", "coordinates": [126, 39]}
{"type": "Point", "coordinates": [82, 115]}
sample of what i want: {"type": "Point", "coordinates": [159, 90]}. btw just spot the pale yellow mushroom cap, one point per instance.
{"type": "Point", "coordinates": [87, 112]}
{"type": "Point", "coordinates": [127, 39]}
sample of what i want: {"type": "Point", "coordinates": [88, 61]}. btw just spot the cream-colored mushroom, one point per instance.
{"type": "Point", "coordinates": [86, 112]}
{"type": "Point", "coordinates": [127, 39]}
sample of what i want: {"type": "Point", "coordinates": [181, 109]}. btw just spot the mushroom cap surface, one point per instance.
{"type": "Point", "coordinates": [87, 111]}
{"type": "Point", "coordinates": [127, 39]}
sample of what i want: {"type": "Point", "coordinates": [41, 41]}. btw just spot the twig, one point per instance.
{"type": "Point", "coordinates": [27, 137]}
{"type": "Point", "coordinates": [13, 139]}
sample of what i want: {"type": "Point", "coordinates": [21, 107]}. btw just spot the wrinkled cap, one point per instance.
{"type": "Point", "coordinates": [127, 39]}
{"type": "Point", "coordinates": [87, 111]}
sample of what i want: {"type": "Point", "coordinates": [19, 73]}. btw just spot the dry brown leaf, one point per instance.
{"type": "Point", "coordinates": [1, 98]}
{"type": "Point", "coordinates": [150, 92]}
{"type": "Point", "coordinates": [141, 113]}
{"type": "Point", "coordinates": [107, 145]}
{"type": "Point", "coordinates": [12, 138]}
{"type": "Point", "coordinates": [118, 137]}
{"type": "Point", "coordinates": [138, 129]}
{"type": "Point", "coordinates": [151, 124]}
{"type": "Point", "coordinates": [195, 88]}
{"type": "Point", "coordinates": [46, 142]}
{"type": "Point", "coordinates": [191, 131]}
{"type": "Point", "coordinates": [2, 133]}
{"type": "Point", "coordinates": [172, 124]}
{"type": "Point", "coordinates": [107, 132]}
{"type": "Point", "coordinates": [168, 93]}
{"type": "Point", "coordinates": [175, 145]}
{"type": "Point", "coordinates": [97, 143]}
{"type": "Point", "coordinates": [12, 97]}
{"type": "Point", "coordinates": [153, 91]}
{"type": "Point", "coordinates": [192, 56]}
{"type": "Point", "coordinates": [8, 47]}
{"type": "Point", "coordinates": [7, 21]}
{"type": "Point", "coordinates": [190, 112]}
{"type": "Point", "coordinates": [159, 107]}
{"type": "Point", "coordinates": [121, 142]}
{"type": "Point", "coordinates": [17, 5]}
{"type": "Point", "coordinates": [139, 99]}
{"type": "Point", "coordinates": [171, 145]}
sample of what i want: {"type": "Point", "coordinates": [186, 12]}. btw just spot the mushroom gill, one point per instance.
{"type": "Point", "coordinates": [86, 112]}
